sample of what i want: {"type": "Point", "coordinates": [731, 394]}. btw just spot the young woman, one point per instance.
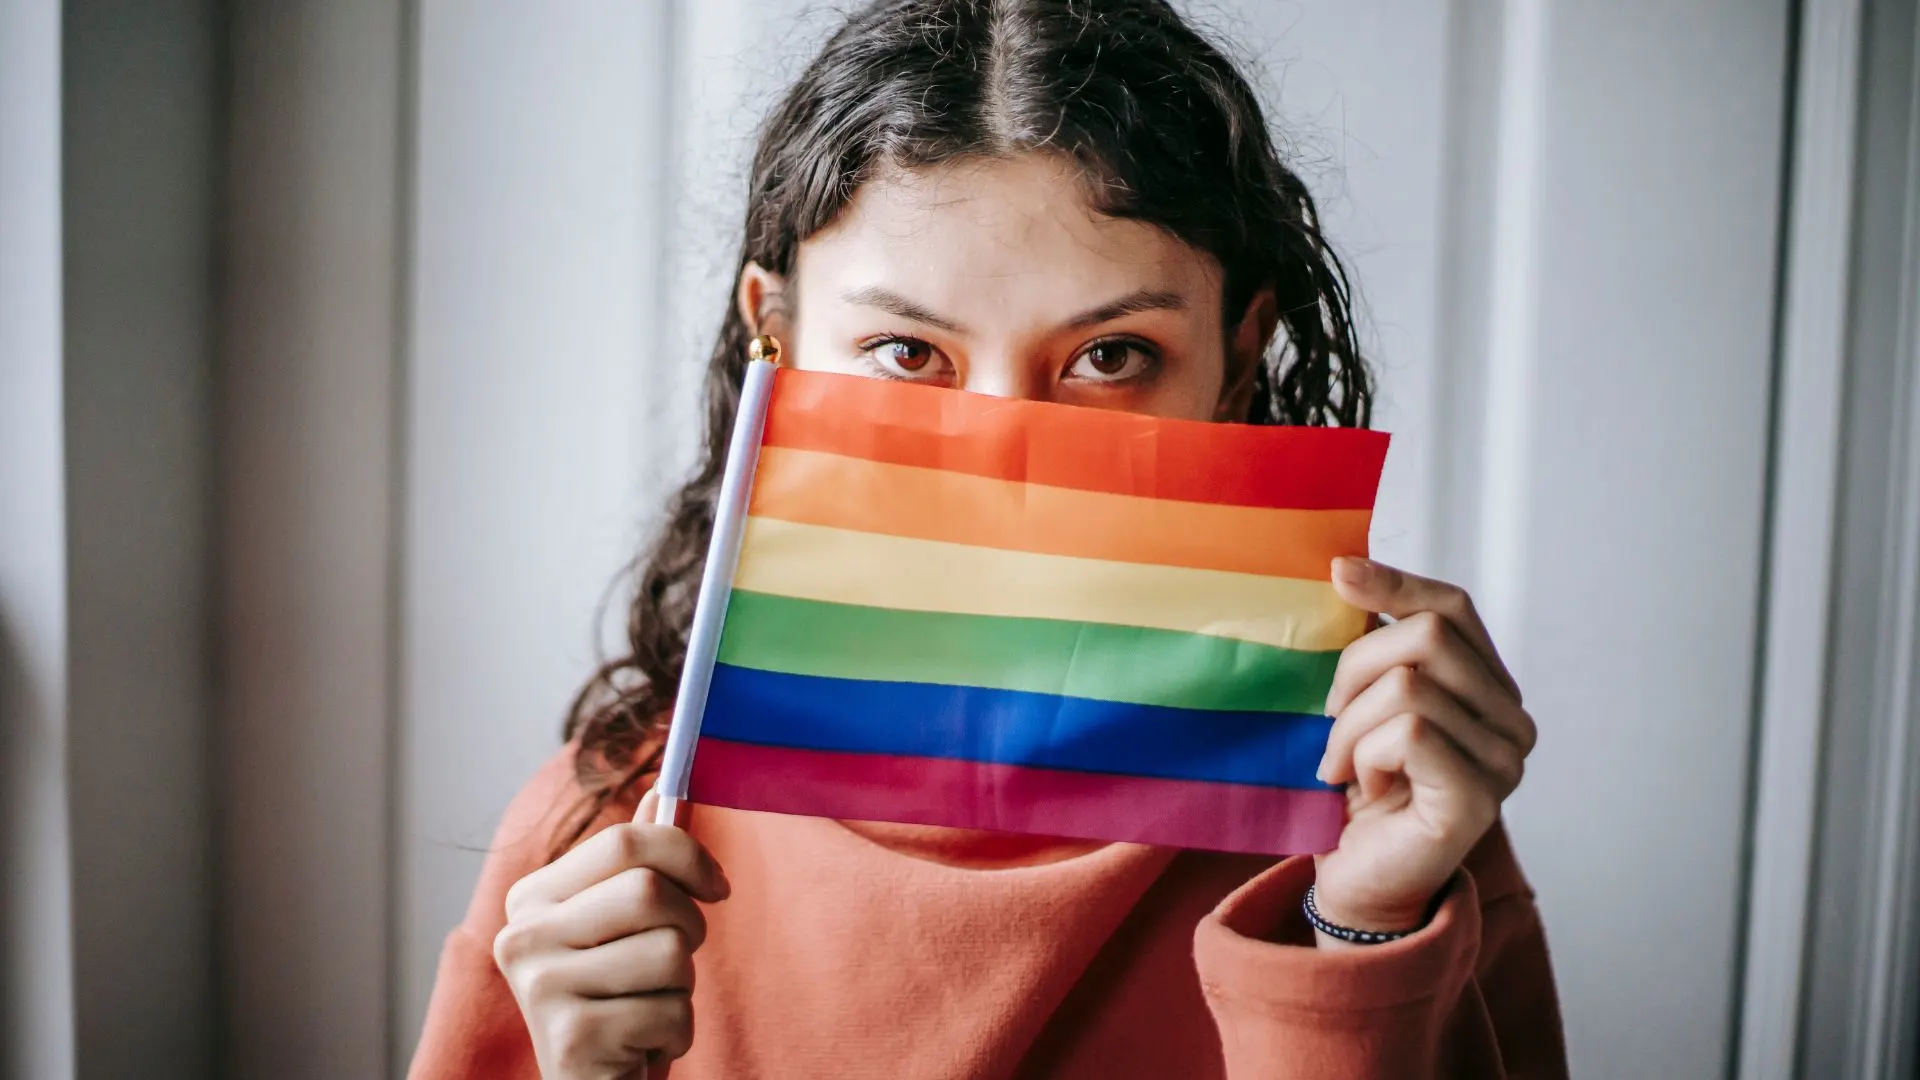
{"type": "Point", "coordinates": [1075, 201]}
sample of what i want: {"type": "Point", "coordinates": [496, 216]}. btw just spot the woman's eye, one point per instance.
{"type": "Point", "coordinates": [907, 358]}
{"type": "Point", "coordinates": [1111, 361]}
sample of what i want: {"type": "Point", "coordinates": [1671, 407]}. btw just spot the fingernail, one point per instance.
{"type": "Point", "coordinates": [1354, 570]}
{"type": "Point", "coordinates": [1322, 772]}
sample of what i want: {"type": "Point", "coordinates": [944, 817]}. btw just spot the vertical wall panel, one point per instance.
{"type": "Point", "coordinates": [1808, 420]}
{"type": "Point", "coordinates": [306, 473]}
{"type": "Point", "coordinates": [140, 158]}
{"type": "Point", "coordinates": [1869, 746]}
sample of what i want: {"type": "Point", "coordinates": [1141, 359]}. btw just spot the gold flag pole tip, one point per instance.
{"type": "Point", "coordinates": [764, 347]}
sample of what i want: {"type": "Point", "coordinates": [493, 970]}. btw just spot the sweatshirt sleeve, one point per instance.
{"type": "Point", "coordinates": [474, 1030]}
{"type": "Point", "coordinates": [1469, 995]}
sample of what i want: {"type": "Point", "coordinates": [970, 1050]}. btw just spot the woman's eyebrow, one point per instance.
{"type": "Point", "coordinates": [894, 304]}
{"type": "Point", "coordinates": [1131, 304]}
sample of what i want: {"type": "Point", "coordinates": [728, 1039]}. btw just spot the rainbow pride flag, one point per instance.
{"type": "Point", "coordinates": [953, 609]}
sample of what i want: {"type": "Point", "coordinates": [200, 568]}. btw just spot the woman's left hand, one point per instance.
{"type": "Point", "coordinates": [1430, 738]}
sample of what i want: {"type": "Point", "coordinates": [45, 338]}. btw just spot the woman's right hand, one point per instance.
{"type": "Point", "coordinates": [598, 948]}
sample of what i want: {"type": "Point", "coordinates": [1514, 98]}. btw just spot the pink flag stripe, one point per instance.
{"type": "Point", "coordinates": [1013, 798]}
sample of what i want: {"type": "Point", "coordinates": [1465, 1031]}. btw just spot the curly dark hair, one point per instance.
{"type": "Point", "coordinates": [1162, 128]}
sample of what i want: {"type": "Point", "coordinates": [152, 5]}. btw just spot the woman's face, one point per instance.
{"type": "Point", "coordinates": [997, 277]}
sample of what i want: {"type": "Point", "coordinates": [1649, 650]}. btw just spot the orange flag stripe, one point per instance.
{"type": "Point", "coordinates": [961, 508]}
{"type": "Point", "coordinates": [1103, 450]}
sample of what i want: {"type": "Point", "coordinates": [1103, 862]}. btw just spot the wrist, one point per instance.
{"type": "Point", "coordinates": [1385, 920]}
{"type": "Point", "coordinates": [1340, 920]}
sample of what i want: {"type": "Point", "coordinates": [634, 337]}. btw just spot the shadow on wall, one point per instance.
{"type": "Point", "coordinates": [15, 745]}
{"type": "Point", "coordinates": [36, 988]}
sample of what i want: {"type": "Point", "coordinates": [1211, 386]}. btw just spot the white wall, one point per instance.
{"type": "Point", "coordinates": [1639, 522]}
{"type": "Point", "coordinates": [36, 932]}
{"type": "Point", "coordinates": [538, 222]}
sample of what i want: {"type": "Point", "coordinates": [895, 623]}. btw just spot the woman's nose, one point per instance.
{"type": "Point", "coordinates": [1007, 376]}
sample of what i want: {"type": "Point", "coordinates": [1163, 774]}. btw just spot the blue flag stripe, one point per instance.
{"type": "Point", "coordinates": [1011, 727]}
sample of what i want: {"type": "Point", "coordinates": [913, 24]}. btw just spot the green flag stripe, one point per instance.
{"type": "Point", "coordinates": [1103, 662]}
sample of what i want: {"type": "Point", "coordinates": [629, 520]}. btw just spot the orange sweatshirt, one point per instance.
{"type": "Point", "coordinates": [853, 950]}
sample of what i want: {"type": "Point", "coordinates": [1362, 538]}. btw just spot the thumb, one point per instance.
{"type": "Point", "coordinates": [1377, 587]}
{"type": "Point", "coordinates": [1371, 586]}
{"type": "Point", "coordinates": [649, 805]}
{"type": "Point", "coordinates": [1381, 589]}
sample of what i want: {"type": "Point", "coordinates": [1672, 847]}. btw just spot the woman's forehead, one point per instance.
{"type": "Point", "coordinates": [986, 233]}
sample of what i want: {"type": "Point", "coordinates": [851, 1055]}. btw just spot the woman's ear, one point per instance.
{"type": "Point", "coordinates": [762, 299]}
{"type": "Point", "coordinates": [1246, 351]}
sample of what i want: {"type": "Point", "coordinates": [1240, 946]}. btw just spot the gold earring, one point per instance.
{"type": "Point", "coordinates": [764, 347]}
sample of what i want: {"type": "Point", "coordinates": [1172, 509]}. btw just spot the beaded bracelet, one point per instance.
{"type": "Point", "coordinates": [1347, 933]}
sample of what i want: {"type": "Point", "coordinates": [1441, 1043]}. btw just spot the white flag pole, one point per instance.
{"type": "Point", "coordinates": [710, 607]}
